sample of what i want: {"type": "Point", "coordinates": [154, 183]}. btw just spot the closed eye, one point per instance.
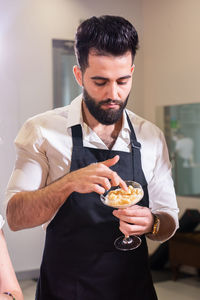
{"type": "Point", "coordinates": [122, 82]}
{"type": "Point", "coordinates": [101, 81]}
{"type": "Point", "coordinates": [98, 83]}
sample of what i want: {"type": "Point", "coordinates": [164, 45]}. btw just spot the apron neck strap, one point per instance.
{"type": "Point", "coordinates": [77, 136]}
{"type": "Point", "coordinates": [136, 155]}
{"type": "Point", "coordinates": [138, 174]}
{"type": "Point", "coordinates": [134, 143]}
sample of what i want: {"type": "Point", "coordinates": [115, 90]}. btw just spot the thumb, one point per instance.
{"type": "Point", "coordinates": [112, 161]}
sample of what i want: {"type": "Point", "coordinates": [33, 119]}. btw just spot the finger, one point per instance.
{"type": "Point", "coordinates": [113, 176]}
{"type": "Point", "coordinates": [134, 211]}
{"type": "Point", "coordinates": [106, 172]}
{"type": "Point", "coordinates": [103, 181]}
{"type": "Point", "coordinates": [123, 185]}
{"type": "Point", "coordinates": [123, 217]}
{"type": "Point", "coordinates": [96, 184]}
{"type": "Point", "coordinates": [133, 220]}
{"type": "Point", "coordinates": [129, 229]}
{"type": "Point", "coordinates": [116, 180]}
{"type": "Point", "coordinates": [112, 161]}
{"type": "Point", "coordinates": [98, 189]}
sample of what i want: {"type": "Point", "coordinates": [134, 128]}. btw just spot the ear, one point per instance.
{"type": "Point", "coordinates": [78, 75]}
{"type": "Point", "coordinates": [132, 68]}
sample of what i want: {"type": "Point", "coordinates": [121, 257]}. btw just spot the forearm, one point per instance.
{"type": "Point", "coordinates": [32, 208]}
{"type": "Point", "coordinates": [166, 229]}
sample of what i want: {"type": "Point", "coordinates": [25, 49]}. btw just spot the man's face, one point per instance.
{"type": "Point", "coordinates": [107, 116]}
{"type": "Point", "coordinates": [106, 86]}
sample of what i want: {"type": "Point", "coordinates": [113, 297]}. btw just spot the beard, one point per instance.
{"type": "Point", "coordinates": [104, 116]}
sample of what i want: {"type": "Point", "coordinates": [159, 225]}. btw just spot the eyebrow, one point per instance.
{"type": "Point", "coordinates": [104, 78]}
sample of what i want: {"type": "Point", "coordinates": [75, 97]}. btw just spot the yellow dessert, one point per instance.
{"type": "Point", "coordinates": [120, 197]}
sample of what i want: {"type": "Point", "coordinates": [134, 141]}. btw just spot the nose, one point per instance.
{"type": "Point", "coordinates": [112, 91]}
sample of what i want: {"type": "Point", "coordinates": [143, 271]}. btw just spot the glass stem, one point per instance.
{"type": "Point", "coordinates": [127, 240]}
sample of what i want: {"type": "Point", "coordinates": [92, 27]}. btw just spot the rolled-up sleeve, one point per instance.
{"type": "Point", "coordinates": [162, 197]}
{"type": "Point", "coordinates": [1, 221]}
{"type": "Point", "coordinates": [31, 167]}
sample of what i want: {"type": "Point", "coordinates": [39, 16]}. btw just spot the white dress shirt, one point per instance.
{"type": "Point", "coordinates": [1, 222]}
{"type": "Point", "coordinates": [44, 148]}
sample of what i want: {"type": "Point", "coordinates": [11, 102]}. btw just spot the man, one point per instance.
{"type": "Point", "coordinates": [69, 156]}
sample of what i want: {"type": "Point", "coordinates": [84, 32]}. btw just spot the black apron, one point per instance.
{"type": "Point", "coordinates": [80, 261]}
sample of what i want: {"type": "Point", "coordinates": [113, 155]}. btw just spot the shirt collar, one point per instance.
{"type": "Point", "coordinates": [125, 124]}
{"type": "Point", "coordinates": [75, 116]}
{"type": "Point", "coordinates": [75, 112]}
{"type": "Point", "coordinates": [124, 134]}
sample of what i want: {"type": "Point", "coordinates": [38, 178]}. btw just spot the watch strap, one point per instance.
{"type": "Point", "coordinates": [156, 225]}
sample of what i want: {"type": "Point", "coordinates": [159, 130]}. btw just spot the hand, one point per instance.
{"type": "Point", "coordinates": [135, 220]}
{"type": "Point", "coordinates": [96, 177]}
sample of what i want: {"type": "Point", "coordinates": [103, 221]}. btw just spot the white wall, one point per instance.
{"type": "Point", "coordinates": [171, 60]}
{"type": "Point", "coordinates": [27, 28]}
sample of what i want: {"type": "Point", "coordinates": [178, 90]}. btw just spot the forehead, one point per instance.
{"type": "Point", "coordinates": [106, 65]}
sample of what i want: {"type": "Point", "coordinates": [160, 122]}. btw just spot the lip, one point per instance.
{"type": "Point", "coordinates": [110, 105]}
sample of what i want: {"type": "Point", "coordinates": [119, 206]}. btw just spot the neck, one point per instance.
{"type": "Point", "coordinates": [107, 133]}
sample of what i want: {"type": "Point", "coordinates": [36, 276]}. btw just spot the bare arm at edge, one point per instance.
{"type": "Point", "coordinates": [8, 280]}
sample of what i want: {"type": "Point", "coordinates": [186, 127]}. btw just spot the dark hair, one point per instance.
{"type": "Point", "coordinates": [105, 35]}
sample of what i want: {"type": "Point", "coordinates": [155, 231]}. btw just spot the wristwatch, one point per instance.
{"type": "Point", "coordinates": [156, 225]}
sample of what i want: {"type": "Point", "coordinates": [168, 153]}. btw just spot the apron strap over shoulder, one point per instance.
{"type": "Point", "coordinates": [77, 136]}
{"type": "Point", "coordinates": [136, 154]}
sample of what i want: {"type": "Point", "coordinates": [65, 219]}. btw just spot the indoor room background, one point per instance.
{"type": "Point", "coordinates": [166, 73]}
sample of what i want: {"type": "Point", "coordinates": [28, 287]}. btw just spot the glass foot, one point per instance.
{"type": "Point", "coordinates": [127, 243]}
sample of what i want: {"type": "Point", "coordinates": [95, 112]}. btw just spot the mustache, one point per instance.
{"type": "Point", "coordinates": [110, 101]}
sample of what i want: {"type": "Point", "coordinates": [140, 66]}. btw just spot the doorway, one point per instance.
{"type": "Point", "coordinates": [65, 87]}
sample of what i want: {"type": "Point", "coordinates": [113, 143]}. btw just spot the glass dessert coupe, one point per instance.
{"type": "Point", "coordinates": [118, 198]}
